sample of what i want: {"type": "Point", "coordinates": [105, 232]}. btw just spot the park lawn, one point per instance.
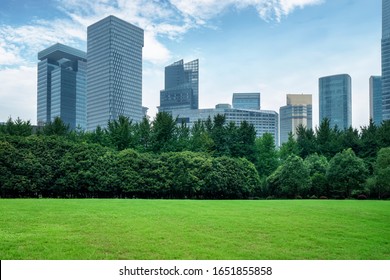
{"type": "Point", "coordinates": [97, 229]}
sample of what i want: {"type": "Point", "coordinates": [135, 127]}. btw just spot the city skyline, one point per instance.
{"type": "Point", "coordinates": [277, 50]}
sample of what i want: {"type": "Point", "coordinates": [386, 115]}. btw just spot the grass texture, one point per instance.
{"type": "Point", "coordinates": [95, 229]}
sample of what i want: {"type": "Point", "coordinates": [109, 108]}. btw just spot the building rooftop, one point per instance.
{"type": "Point", "coordinates": [59, 51]}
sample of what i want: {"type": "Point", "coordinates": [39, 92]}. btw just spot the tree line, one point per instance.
{"type": "Point", "coordinates": [212, 160]}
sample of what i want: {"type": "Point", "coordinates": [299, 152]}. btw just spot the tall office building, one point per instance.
{"type": "Point", "coordinates": [376, 99]}
{"type": "Point", "coordinates": [249, 101]}
{"type": "Point", "coordinates": [181, 89]}
{"type": "Point", "coordinates": [298, 111]}
{"type": "Point", "coordinates": [62, 86]}
{"type": "Point", "coordinates": [335, 100]}
{"type": "Point", "coordinates": [385, 59]}
{"type": "Point", "coordinates": [114, 74]}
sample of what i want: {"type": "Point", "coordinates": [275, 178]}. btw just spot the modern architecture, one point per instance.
{"type": "Point", "coordinates": [376, 99]}
{"type": "Point", "coordinates": [298, 111]}
{"type": "Point", "coordinates": [385, 49]}
{"type": "Point", "coordinates": [181, 89]}
{"type": "Point", "coordinates": [62, 86]}
{"type": "Point", "coordinates": [249, 101]}
{"type": "Point", "coordinates": [262, 120]}
{"type": "Point", "coordinates": [335, 101]}
{"type": "Point", "coordinates": [114, 74]}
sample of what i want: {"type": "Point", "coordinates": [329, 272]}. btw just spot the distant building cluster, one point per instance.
{"type": "Point", "coordinates": [87, 90]}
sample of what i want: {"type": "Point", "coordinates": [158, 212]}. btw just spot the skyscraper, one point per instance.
{"type": "Point", "coordinates": [335, 100]}
{"type": "Point", "coordinates": [246, 101]}
{"type": "Point", "coordinates": [385, 59]}
{"type": "Point", "coordinates": [114, 74]}
{"type": "Point", "coordinates": [61, 86]}
{"type": "Point", "coordinates": [181, 89]}
{"type": "Point", "coordinates": [298, 111]}
{"type": "Point", "coordinates": [376, 99]}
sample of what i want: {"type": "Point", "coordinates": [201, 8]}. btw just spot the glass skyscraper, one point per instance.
{"type": "Point", "coordinates": [62, 86]}
{"type": "Point", "coordinates": [385, 59]}
{"type": "Point", "coordinates": [376, 99]}
{"type": "Point", "coordinates": [246, 101]}
{"type": "Point", "coordinates": [181, 89]}
{"type": "Point", "coordinates": [114, 74]}
{"type": "Point", "coordinates": [335, 100]}
{"type": "Point", "coordinates": [298, 111]}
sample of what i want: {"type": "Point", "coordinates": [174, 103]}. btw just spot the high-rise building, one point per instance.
{"type": "Point", "coordinates": [335, 100]}
{"type": "Point", "coordinates": [62, 86]}
{"type": "Point", "coordinates": [249, 101]}
{"type": "Point", "coordinates": [385, 49]}
{"type": "Point", "coordinates": [181, 89]}
{"type": "Point", "coordinates": [376, 99]}
{"type": "Point", "coordinates": [298, 111]}
{"type": "Point", "coordinates": [114, 74]}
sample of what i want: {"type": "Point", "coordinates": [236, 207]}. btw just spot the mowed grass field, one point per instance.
{"type": "Point", "coordinates": [194, 229]}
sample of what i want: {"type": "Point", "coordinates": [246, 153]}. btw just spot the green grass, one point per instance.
{"type": "Point", "coordinates": [190, 229]}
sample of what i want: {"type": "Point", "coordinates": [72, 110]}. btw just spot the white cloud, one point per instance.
{"type": "Point", "coordinates": [18, 93]}
{"type": "Point", "coordinates": [202, 10]}
{"type": "Point", "coordinates": [158, 18]}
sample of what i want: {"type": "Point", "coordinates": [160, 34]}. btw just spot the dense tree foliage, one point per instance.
{"type": "Point", "coordinates": [382, 173]}
{"type": "Point", "coordinates": [346, 173]}
{"type": "Point", "coordinates": [164, 158]}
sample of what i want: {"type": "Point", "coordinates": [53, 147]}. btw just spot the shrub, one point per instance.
{"type": "Point", "coordinates": [298, 197]}
{"type": "Point", "coordinates": [313, 197]}
{"type": "Point", "coordinates": [323, 197]}
{"type": "Point", "coordinates": [361, 197]}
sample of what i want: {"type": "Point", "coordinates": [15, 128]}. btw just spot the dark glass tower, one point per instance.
{"type": "Point", "coordinates": [376, 99]}
{"type": "Point", "coordinates": [61, 86]}
{"type": "Point", "coordinates": [386, 59]}
{"type": "Point", "coordinates": [181, 86]}
{"type": "Point", "coordinates": [114, 74]}
{"type": "Point", "coordinates": [335, 100]}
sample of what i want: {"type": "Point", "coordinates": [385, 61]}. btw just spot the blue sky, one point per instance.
{"type": "Point", "coordinates": [275, 47]}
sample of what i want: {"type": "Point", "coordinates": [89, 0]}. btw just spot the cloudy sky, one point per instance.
{"type": "Point", "coordinates": [274, 47]}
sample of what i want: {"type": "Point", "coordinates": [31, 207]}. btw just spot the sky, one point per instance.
{"type": "Point", "coordinates": [275, 47]}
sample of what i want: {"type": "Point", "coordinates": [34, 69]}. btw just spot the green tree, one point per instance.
{"type": "Point", "coordinates": [317, 166]}
{"type": "Point", "coordinates": [183, 137]}
{"type": "Point", "coordinates": [121, 133]}
{"type": "Point", "coordinates": [56, 127]}
{"type": "Point", "coordinates": [350, 138]}
{"type": "Point", "coordinates": [291, 179]}
{"type": "Point", "coordinates": [382, 172]}
{"type": "Point", "coordinates": [383, 134]}
{"type": "Point", "coordinates": [163, 133]}
{"type": "Point", "coordinates": [143, 134]}
{"type": "Point", "coordinates": [306, 141]}
{"type": "Point", "coordinates": [346, 173]}
{"type": "Point", "coordinates": [246, 140]}
{"type": "Point", "coordinates": [327, 139]}
{"type": "Point", "coordinates": [200, 140]}
{"type": "Point", "coordinates": [289, 148]}
{"type": "Point", "coordinates": [266, 155]}
{"type": "Point", "coordinates": [231, 178]}
{"type": "Point", "coordinates": [17, 127]}
{"type": "Point", "coordinates": [219, 135]}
